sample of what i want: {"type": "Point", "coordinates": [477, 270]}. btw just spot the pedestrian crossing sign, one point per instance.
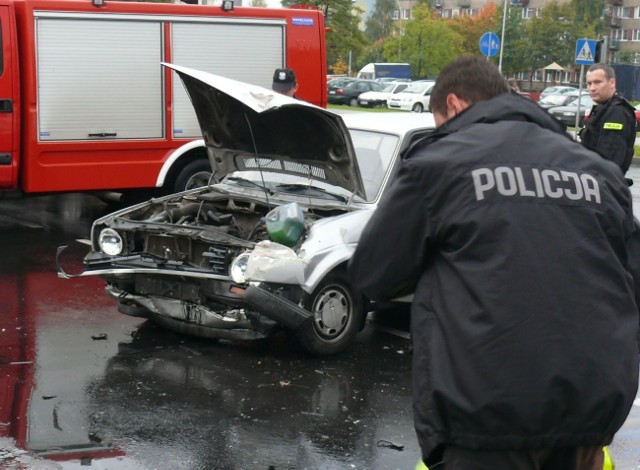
{"type": "Point", "coordinates": [585, 51]}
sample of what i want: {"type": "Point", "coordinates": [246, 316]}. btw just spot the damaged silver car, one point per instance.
{"type": "Point", "coordinates": [265, 245]}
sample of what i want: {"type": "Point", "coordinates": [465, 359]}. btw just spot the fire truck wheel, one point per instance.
{"type": "Point", "coordinates": [193, 175]}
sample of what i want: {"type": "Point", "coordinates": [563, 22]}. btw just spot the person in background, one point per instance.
{"type": "Point", "coordinates": [521, 251]}
{"type": "Point", "coordinates": [285, 82]}
{"type": "Point", "coordinates": [610, 129]}
{"type": "Point", "coordinates": [513, 84]}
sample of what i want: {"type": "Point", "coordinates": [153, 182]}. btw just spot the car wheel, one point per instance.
{"type": "Point", "coordinates": [417, 108]}
{"type": "Point", "coordinates": [353, 102]}
{"type": "Point", "coordinates": [193, 175]}
{"type": "Point", "coordinates": [337, 317]}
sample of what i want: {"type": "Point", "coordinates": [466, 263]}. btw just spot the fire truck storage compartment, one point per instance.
{"type": "Point", "coordinates": [101, 78]}
{"type": "Point", "coordinates": [243, 51]}
{"type": "Point", "coordinates": [98, 78]}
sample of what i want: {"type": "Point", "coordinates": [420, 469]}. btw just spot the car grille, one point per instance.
{"type": "Point", "coordinates": [218, 257]}
{"type": "Point", "coordinates": [213, 256]}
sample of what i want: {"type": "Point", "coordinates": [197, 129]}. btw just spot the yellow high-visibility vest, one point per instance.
{"type": "Point", "coordinates": [608, 462]}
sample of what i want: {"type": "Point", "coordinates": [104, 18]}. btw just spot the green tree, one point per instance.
{"type": "Point", "coordinates": [588, 13]}
{"type": "Point", "coordinates": [471, 28]}
{"type": "Point", "coordinates": [427, 43]}
{"type": "Point", "coordinates": [372, 53]}
{"type": "Point", "coordinates": [625, 57]}
{"type": "Point", "coordinates": [380, 21]}
{"type": "Point", "coordinates": [551, 37]}
{"type": "Point", "coordinates": [515, 49]}
{"type": "Point", "coordinates": [344, 36]}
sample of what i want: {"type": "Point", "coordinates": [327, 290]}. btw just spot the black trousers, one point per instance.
{"type": "Point", "coordinates": [562, 458]}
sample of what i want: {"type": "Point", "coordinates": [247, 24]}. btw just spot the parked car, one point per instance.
{"type": "Point", "coordinates": [560, 99]}
{"type": "Point", "coordinates": [370, 99]}
{"type": "Point", "coordinates": [385, 80]}
{"type": "Point", "coordinates": [415, 98]}
{"type": "Point", "coordinates": [347, 93]}
{"type": "Point", "coordinates": [567, 113]}
{"type": "Point", "coordinates": [333, 77]}
{"type": "Point", "coordinates": [265, 248]}
{"type": "Point", "coordinates": [556, 90]}
{"type": "Point", "coordinates": [339, 81]}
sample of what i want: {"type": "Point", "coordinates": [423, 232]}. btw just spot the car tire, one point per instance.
{"type": "Point", "coordinates": [417, 108]}
{"type": "Point", "coordinates": [353, 102]}
{"type": "Point", "coordinates": [338, 313]}
{"type": "Point", "coordinates": [195, 174]}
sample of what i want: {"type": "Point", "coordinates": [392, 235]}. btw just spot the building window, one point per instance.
{"type": "Point", "coordinates": [636, 35]}
{"type": "Point", "coordinates": [395, 15]}
{"type": "Point", "coordinates": [528, 13]}
{"type": "Point", "coordinates": [406, 14]}
{"type": "Point", "coordinates": [620, 34]}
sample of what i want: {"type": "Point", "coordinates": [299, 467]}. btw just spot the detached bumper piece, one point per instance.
{"type": "Point", "coordinates": [276, 307]}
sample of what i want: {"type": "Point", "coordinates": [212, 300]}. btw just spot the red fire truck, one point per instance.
{"type": "Point", "coordinates": [85, 104]}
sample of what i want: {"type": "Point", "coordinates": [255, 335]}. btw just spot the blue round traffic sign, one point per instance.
{"type": "Point", "coordinates": [489, 44]}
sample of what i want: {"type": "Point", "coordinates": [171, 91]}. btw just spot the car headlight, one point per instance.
{"type": "Point", "coordinates": [239, 268]}
{"type": "Point", "coordinates": [110, 242]}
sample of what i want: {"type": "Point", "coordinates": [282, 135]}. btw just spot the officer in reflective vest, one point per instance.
{"type": "Point", "coordinates": [610, 129]}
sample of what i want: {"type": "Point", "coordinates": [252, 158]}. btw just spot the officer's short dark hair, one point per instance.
{"type": "Point", "coordinates": [471, 78]}
{"type": "Point", "coordinates": [609, 73]}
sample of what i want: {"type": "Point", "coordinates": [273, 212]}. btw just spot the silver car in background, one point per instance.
{"type": "Point", "coordinates": [264, 247]}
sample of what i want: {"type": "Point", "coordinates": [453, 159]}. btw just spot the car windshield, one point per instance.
{"type": "Point", "coordinates": [553, 99]}
{"type": "Point", "coordinates": [418, 87]}
{"type": "Point", "coordinates": [389, 87]}
{"type": "Point", "coordinates": [585, 102]}
{"type": "Point", "coordinates": [339, 82]}
{"type": "Point", "coordinates": [374, 151]}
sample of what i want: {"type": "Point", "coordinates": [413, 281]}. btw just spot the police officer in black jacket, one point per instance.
{"type": "Point", "coordinates": [610, 129]}
{"type": "Point", "coordinates": [521, 250]}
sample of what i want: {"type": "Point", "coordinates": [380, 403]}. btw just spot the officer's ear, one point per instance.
{"type": "Point", "coordinates": [455, 105]}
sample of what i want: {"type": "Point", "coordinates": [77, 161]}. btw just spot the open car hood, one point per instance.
{"type": "Point", "coordinates": [241, 122]}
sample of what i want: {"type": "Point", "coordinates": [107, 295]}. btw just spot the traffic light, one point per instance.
{"type": "Point", "coordinates": [597, 56]}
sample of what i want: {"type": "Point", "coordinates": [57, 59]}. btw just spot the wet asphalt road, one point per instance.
{"type": "Point", "coordinates": [82, 385]}
{"type": "Point", "coordinates": [80, 382]}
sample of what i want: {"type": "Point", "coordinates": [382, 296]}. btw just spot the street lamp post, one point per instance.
{"type": "Point", "coordinates": [504, 22]}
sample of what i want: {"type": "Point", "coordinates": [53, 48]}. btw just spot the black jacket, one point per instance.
{"type": "Point", "coordinates": [518, 245]}
{"type": "Point", "coordinates": [611, 131]}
